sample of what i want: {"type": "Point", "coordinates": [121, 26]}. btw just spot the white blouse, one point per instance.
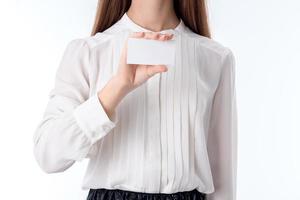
{"type": "Point", "coordinates": [176, 132]}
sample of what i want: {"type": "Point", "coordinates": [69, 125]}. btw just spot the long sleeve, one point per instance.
{"type": "Point", "coordinates": [222, 135]}
{"type": "Point", "coordinates": [73, 121]}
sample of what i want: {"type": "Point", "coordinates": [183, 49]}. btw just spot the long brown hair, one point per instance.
{"type": "Point", "coordinates": [192, 12]}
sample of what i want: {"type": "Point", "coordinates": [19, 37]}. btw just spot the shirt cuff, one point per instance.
{"type": "Point", "coordinates": [93, 120]}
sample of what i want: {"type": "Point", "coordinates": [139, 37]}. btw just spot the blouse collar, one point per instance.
{"type": "Point", "coordinates": [127, 21]}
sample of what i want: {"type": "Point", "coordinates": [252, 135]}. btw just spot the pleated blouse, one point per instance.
{"type": "Point", "coordinates": [175, 132]}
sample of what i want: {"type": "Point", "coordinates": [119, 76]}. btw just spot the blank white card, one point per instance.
{"type": "Point", "coordinates": [150, 52]}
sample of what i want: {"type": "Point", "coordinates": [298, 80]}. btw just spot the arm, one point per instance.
{"type": "Point", "coordinates": [73, 122]}
{"type": "Point", "coordinates": [222, 135]}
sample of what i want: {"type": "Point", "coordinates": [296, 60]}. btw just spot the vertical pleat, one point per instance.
{"type": "Point", "coordinates": [143, 134]}
{"type": "Point", "coordinates": [197, 125]}
{"type": "Point", "coordinates": [185, 132]}
{"type": "Point", "coordinates": [192, 101]}
{"type": "Point", "coordinates": [153, 152]}
{"type": "Point", "coordinates": [164, 133]}
{"type": "Point", "coordinates": [170, 125]}
{"type": "Point", "coordinates": [177, 113]}
{"type": "Point", "coordinates": [137, 164]}
{"type": "Point", "coordinates": [132, 137]}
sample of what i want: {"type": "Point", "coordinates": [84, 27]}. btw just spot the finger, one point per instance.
{"type": "Point", "coordinates": [158, 36]}
{"type": "Point", "coordinates": [164, 37]}
{"type": "Point", "coordinates": [137, 34]}
{"type": "Point", "coordinates": [151, 35]}
{"type": "Point", "coordinates": [154, 69]}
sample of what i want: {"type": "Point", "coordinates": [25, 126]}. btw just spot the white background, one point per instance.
{"type": "Point", "coordinates": [264, 36]}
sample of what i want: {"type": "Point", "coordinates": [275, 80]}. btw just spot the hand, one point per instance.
{"type": "Point", "coordinates": [129, 76]}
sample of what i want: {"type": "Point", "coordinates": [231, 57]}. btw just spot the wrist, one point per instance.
{"type": "Point", "coordinates": [119, 87]}
{"type": "Point", "coordinates": [111, 94]}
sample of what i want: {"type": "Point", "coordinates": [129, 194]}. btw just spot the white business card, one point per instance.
{"type": "Point", "coordinates": [150, 52]}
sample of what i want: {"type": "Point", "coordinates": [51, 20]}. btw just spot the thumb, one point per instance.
{"type": "Point", "coordinates": [154, 69]}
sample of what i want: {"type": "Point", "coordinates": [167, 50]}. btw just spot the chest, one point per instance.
{"type": "Point", "coordinates": [191, 80]}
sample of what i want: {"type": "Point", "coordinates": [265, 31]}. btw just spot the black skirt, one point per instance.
{"type": "Point", "coordinates": [118, 194]}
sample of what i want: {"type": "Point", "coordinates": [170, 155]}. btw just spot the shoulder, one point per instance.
{"type": "Point", "coordinates": [91, 42]}
{"type": "Point", "coordinates": [210, 46]}
{"type": "Point", "coordinates": [215, 57]}
{"type": "Point", "coordinates": [99, 40]}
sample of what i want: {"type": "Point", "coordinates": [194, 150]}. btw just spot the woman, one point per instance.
{"type": "Point", "coordinates": [149, 131]}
